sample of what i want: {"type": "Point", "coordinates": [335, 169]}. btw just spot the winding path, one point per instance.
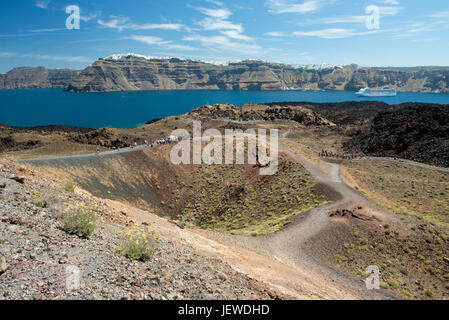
{"type": "Point", "coordinates": [281, 259]}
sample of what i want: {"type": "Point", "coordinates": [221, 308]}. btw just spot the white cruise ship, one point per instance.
{"type": "Point", "coordinates": [385, 92]}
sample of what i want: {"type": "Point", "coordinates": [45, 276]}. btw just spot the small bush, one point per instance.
{"type": "Point", "coordinates": [137, 243]}
{"type": "Point", "coordinates": [69, 185]}
{"type": "Point", "coordinates": [384, 285]}
{"type": "Point", "coordinates": [79, 220]}
{"type": "Point", "coordinates": [392, 283]}
{"type": "Point", "coordinates": [406, 293]}
{"type": "Point", "coordinates": [39, 201]}
{"type": "Point", "coordinates": [339, 258]}
{"type": "Point", "coordinates": [421, 257]}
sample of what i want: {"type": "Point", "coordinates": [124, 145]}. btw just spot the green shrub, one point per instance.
{"type": "Point", "coordinates": [421, 257]}
{"type": "Point", "coordinates": [384, 285]}
{"type": "Point", "coordinates": [137, 243]}
{"type": "Point", "coordinates": [406, 293]}
{"type": "Point", "coordinates": [39, 201]}
{"type": "Point", "coordinates": [339, 258]}
{"type": "Point", "coordinates": [392, 283]}
{"type": "Point", "coordinates": [69, 185]}
{"type": "Point", "coordinates": [79, 220]}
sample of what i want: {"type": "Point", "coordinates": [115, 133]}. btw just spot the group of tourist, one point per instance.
{"type": "Point", "coordinates": [344, 156]}
{"type": "Point", "coordinates": [164, 141]}
{"type": "Point", "coordinates": [168, 140]}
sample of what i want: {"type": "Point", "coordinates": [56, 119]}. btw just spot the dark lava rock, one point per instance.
{"type": "Point", "coordinates": [418, 132]}
{"type": "Point", "coordinates": [20, 180]}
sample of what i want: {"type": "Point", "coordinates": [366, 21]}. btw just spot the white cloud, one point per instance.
{"type": "Point", "coordinates": [89, 17]}
{"type": "Point", "coordinates": [276, 34]}
{"type": "Point", "coordinates": [150, 40]}
{"type": "Point", "coordinates": [218, 20]}
{"type": "Point", "coordinates": [47, 30]}
{"type": "Point", "coordinates": [390, 11]}
{"type": "Point", "coordinates": [152, 26]}
{"type": "Point", "coordinates": [287, 6]}
{"type": "Point", "coordinates": [392, 2]}
{"type": "Point", "coordinates": [43, 4]}
{"type": "Point", "coordinates": [334, 33]}
{"type": "Point", "coordinates": [147, 39]}
{"type": "Point", "coordinates": [217, 3]}
{"type": "Point", "coordinates": [343, 19]}
{"type": "Point", "coordinates": [236, 35]}
{"type": "Point", "coordinates": [419, 28]}
{"type": "Point", "coordinates": [115, 23]}
{"type": "Point", "coordinates": [215, 24]}
{"type": "Point", "coordinates": [224, 43]}
{"type": "Point", "coordinates": [220, 13]}
{"type": "Point", "coordinates": [441, 14]}
{"type": "Point", "coordinates": [122, 23]}
{"type": "Point", "coordinates": [44, 57]}
{"type": "Point", "coordinates": [384, 10]}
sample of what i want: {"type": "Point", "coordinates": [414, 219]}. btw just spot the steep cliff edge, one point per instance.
{"type": "Point", "coordinates": [131, 73]}
{"type": "Point", "coordinates": [36, 78]}
{"type": "Point", "coordinates": [136, 73]}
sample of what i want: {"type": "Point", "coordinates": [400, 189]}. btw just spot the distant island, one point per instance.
{"type": "Point", "coordinates": [37, 78]}
{"type": "Point", "coordinates": [132, 72]}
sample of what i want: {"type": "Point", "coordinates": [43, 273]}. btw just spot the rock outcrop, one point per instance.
{"type": "Point", "coordinates": [36, 78]}
{"type": "Point", "coordinates": [413, 131]}
{"type": "Point", "coordinates": [259, 112]}
{"type": "Point", "coordinates": [128, 73]}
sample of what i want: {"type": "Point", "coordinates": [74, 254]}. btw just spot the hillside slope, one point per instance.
{"type": "Point", "coordinates": [35, 251]}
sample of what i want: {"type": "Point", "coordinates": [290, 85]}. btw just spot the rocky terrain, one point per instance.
{"type": "Point", "coordinates": [35, 251]}
{"type": "Point", "coordinates": [349, 113]}
{"type": "Point", "coordinates": [317, 219]}
{"type": "Point", "coordinates": [36, 78]}
{"type": "Point", "coordinates": [260, 112]}
{"type": "Point", "coordinates": [417, 132]}
{"type": "Point", "coordinates": [410, 131]}
{"type": "Point", "coordinates": [128, 73]}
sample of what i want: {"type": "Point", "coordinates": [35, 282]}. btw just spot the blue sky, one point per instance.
{"type": "Point", "coordinates": [410, 33]}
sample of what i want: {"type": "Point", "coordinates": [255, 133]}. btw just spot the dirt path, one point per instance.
{"type": "Point", "coordinates": [403, 161]}
{"type": "Point", "coordinates": [289, 245]}
{"type": "Point", "coordinates": [279, 260]}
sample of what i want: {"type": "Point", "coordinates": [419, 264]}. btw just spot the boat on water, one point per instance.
{"type": "Point", "coordinates": [385, 92]}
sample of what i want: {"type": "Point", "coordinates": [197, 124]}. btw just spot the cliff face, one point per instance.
{"type": "Point", "coordinates": [36, 77]}
{"type": "Point", "coordinates": [132, 73]}
{"type": "Point", "coordinates": [129, 73]}
{"type": "Point", "coordinates": [404, 79]}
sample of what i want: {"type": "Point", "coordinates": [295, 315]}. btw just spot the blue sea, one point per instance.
{"type": "Point", "coordinates": [25, 108]}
